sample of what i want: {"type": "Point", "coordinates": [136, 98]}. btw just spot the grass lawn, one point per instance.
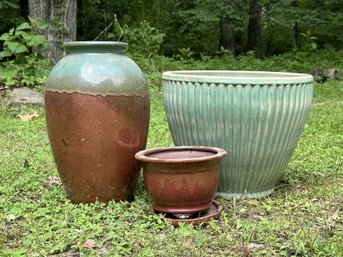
{"type": "Point", "coordinates": [303, 217]}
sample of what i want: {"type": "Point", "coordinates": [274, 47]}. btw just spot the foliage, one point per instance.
{"type": "Point", "coordinates": [90, 19]}
{"type": "Point", "coordinates": [284, 21]}
{"type": "Point", "coordinates": [196, 24]}
{"type": "Point", "coordinates": [309, 42]}
{"type": "Point", "coordinates": [295, 61]}
{"type": "Point", "coordinates": [20, 64]}
{"type": "Point", "coordinates": [10, 14]}
{"type": "Point", "coordinates": [95, 15]}
{"type": "Point", "coordinates": [185, 54]}
{"type": "Point", "coordinates": [59, 27]}
{"type": "Point", "coordinates": [143, 38]}
{"type": "Point", "coordinates": [192, 24]}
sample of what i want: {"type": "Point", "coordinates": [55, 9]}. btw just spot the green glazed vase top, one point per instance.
{"type": "Point", "coordinates": [94, 46]}
{"type": "Point", "coordinates": [233, 77]}
{"type": "Point", "coordinates": [116, 74]}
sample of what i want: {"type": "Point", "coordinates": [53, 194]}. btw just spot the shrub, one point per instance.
{"type": "Point", "coordinates": [143, 38]}
{"type": "Point", "coordinates": [20, 64]}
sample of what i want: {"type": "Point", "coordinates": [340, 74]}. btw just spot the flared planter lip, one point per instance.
{"type": "Point", "coordinates": [238, 77]}
{"type": "Point", "coordinates": [151, 155]}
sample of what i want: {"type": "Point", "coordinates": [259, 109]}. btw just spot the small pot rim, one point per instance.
{"type": "Point", "coordinates": [237, 76]}
{"type": "Point", "coordinates": [218, 153]}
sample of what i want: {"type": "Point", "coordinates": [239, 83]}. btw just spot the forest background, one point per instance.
{"type": "Point", "coordinates": [180, 30]}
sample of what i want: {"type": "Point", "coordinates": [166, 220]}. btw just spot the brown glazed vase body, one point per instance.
{"type": "Point", "coordinates": [97, 114]}
{"type": "Point", "coordinates": [181, 179]}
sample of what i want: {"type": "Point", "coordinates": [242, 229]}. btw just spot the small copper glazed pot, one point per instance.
{"type": "Point", "coordinates": [181, 180]}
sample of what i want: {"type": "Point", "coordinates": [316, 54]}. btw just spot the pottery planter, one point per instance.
{"type": "Point", "coordinates": [97, 114]}
{"type": "Point", "coordinates": [257, 117]}
{"type": "Point", "coordinates": [181, 180]}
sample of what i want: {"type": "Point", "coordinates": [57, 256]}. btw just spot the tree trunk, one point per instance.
{"type": "Point", "coordinates": [295, 28]}
{"type": "Point", "coordinates": [254, 28]}
{"type": "Point", "coordinates": [227, 35]}
{"type": "Point", "coordinates": [60, 15]}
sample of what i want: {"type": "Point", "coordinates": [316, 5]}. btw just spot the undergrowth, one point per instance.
{"type": "Point", "coordinates": [296, 61]}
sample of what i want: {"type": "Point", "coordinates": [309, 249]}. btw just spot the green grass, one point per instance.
{"type": "Point", "coordinates": [303, 217]}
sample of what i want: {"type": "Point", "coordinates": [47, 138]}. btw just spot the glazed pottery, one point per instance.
{"type": "Point", "coordinates": [257, 117]}
{"type": "Point", "coordinates": [181, 180]}
{"type": "Point", "coordinates": [97, 114]}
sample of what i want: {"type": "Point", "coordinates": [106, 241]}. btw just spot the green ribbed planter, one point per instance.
{"type": "Point", "coordinates": [257, 117]}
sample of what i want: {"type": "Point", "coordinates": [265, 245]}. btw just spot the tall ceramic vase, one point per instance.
{"type": "Point", "coordinates": [257, 117]}
{"type": "Point", "coordinates": [97, 114]}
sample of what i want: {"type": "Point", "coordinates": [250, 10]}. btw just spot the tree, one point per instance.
{"type": "Point", "coordinates": [232, 14]}
{"type": "Point", "coordinates": [254, 28]}
{"type": "Point", "coordinates": [60, 15]}
{"type": "Point", "coordinates": [227, 35]}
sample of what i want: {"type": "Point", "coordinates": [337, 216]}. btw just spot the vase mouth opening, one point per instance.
{"type": "Point", "coordinates": [181, 154]}
{"type": "Point", "coordinates": [237, 76]}
{"type": "Point", "coordinates": [95, 47]}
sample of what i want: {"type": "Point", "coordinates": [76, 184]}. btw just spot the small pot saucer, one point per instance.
{"type": "Point", "coordinates": [197, 218]}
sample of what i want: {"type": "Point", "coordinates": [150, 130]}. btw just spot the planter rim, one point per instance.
{"type": "Point", "coordinates": [237, 76]}
{"type": "Point", "coordinates": [143, 155]}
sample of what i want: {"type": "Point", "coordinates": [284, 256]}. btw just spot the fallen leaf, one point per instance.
{"type": "Point", "coordinates": [318, 174]}
{"type": "Point", "coordinates": [255, 246]}
{"type": "Point", "coordinates": [335, 215]}
{"type": "Point", "coordinates": [27, 117]}
{"type": "Point", "coordinates": [189, 242]}
{"type": "Point", "coordinates": [252, 202]}
{"type": "Point", "coordinates": [331, 221]}
{"type": "Point", "coordinates": [89, 244]}
{"type": "Point", "coordinates": [257, 217]}
{"type": "Point", "coordinates": [11, 217]}
{"type": "Point", "coordinates": [302, 187]}
{"type": "Point", "coordinates": [52, 181]}
{"type": "Point", "coordinates": [161, 235]}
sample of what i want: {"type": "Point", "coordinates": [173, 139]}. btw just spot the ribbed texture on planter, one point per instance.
{"type": "Point", "coordinates": [257, 124]}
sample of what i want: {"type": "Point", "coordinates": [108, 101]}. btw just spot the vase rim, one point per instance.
{"type": "Point", "coordinates": [215, 154]}
{"type": "Point", "coordinates": [95, 43]}
{"type": "Point", "coordinates": [95, 46]}
{"type": "Point", "coordinates": [237, 76]}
